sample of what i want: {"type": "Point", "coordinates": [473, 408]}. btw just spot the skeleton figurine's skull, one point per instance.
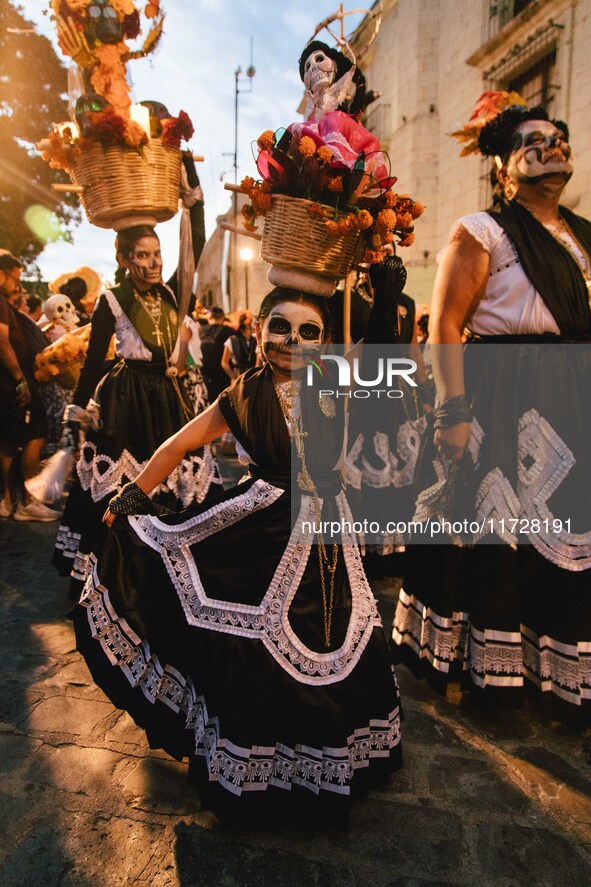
{"type": "Point", "coordinates": [158, 113]}
{"type": "Point", "coordinates": [86, 105]}
{"type": "Point", "coordinates": [102, 23]}
{"type": "Point", "coordinates": [61, 312]}
{"type": "Point", "coordinates": [319, 72]}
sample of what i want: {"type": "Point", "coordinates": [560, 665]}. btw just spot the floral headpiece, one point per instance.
{"type": "Point", "coordinates": [488, 107]}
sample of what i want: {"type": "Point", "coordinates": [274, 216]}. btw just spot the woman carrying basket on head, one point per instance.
{"type": "Point", "coordinates": [141, 400]}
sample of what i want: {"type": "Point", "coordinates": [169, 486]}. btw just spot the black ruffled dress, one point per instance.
{"type": "Point", "coordinates": [209, 628]}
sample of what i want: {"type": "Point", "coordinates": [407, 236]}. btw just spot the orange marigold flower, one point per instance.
{"type": "Point", "coordinates": [332, 227]}
{"type": "Point", "coordinates": [307, 147]}
{"type": "Point", "coordinates": [403, 220]}
{"type": "Point", "coordinates": [347, 223]}
{"type": "Point", "coordinates": [266, 139]}
{"type": "Point", "coordinates": [416, 209]}
{"type": "Point", "coordinates": [373, 256]}
{"type": "Point", "coordinates": [387, 219]}
{"type": "Point", "coordinates": [391, 198]}
{"type": "Point", "coordinates": [364, 220]}
{"type": "Point", "coordinates": [249, 224]}
{"type": "Point", "coordinates": [261, 200]}
{"type": "Point", "coordinates": [315, 209]}
{"type": "Point", "coordinates": [335, 184]}
{"type": "Point", "coordinates": [247, 184]}
{"type": "Point", "coordinates": [324, 154]}
{"type": "Point", "coordinates": [408, 240]}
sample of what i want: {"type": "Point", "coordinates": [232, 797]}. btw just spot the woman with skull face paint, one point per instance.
{"type": "Point", "coordinates": [141, 400]}
{"type": "Point", "coordinates": [235, 636]}
{"type": "Point", "coordinates": [514, 430]}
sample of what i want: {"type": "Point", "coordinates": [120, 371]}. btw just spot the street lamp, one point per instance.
{"type": "Point", "coordinates": [241, 85]}
{"type": "Point", "coordinates": [246, 256]}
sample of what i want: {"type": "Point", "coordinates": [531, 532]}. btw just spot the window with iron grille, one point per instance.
{"type": "Point", "coordinates": [537, 84]}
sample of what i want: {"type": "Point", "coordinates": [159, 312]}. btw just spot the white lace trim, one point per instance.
{"type": "Point", "coordinates": [408, 442]}
{"type": "Point", "coordinates": [67, 541]}
{"type": "Point", "coordinates": [189, 482]}
{"type": "Point", "coordinates": [128, 342]}
{"type": "Point", "coordinates": [269, 621]}
{"type": "Point", "coordinates": [493, 657]}
{"type": "Point", "coordinates": [438, 639]}
{"type": "Point", "coordinates": [237, 769]}
{"type": "Point", "coordinates": [398, 468]}
{"type": "Point", "coordinates": [543, 462]}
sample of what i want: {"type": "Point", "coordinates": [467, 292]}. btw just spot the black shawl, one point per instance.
{"type": "Point", "coordinates": [549, 265]}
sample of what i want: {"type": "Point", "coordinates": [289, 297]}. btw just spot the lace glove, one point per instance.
{"type": "Point", "coordinates": [388, 280]}
{"type": "Point", "coordinates": [191, 192]}
{"type": "Point", "coordinates": [74, 418]}
{"type": "Point", "coordinates": [132, 500]}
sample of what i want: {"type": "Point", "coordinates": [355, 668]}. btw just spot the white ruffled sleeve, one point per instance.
{"type": "Point", "coordinates": [482, 227]}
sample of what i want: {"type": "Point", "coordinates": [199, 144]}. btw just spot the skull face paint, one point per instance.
{"type": "Point", "coordinates": [60, 310]}
{"type": "Point", "coordinates": [144, 264]}
{"type": "Point", "coordinates": [539, 149]}
{"type": "Point", "coordinates": [290, 330]}
{"type": "Point", "coordinates": [319, 72]}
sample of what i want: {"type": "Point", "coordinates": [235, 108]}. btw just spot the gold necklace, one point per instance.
{"type": "Point", "coordinates": [567, 242]}
{"type": "Point", "coordinates": [307, 485]}
{"type": "Point", "coordinates": [153, 310]}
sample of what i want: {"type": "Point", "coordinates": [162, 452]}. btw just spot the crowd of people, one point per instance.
{"type": "Point", "coordinates": [253, 647]}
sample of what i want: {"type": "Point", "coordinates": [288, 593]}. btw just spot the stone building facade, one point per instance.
{"type": "Point", "coordinates": [431, 60]}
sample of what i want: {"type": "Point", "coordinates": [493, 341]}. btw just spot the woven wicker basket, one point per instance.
{"type": "Point", "coordinates": [124, 187]}
{"type": "Point", "coordinates": [295, 241]}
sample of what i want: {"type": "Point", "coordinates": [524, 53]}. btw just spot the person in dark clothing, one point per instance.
{"type": "Point", "coordinates": [140, 401]}
{"type": "Point", "coordinates": [213, 339]}
{"type": "Point", "coordinates": [23, 423]}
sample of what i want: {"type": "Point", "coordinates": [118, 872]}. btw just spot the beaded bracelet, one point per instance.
{"type": "Point", "coordinates": [132, 500]}
{"type": "Point", "coordinates": [453, 412]}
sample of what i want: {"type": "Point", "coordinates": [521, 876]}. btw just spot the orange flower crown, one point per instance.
{"type": "Point", "coordinates": [488, 106]}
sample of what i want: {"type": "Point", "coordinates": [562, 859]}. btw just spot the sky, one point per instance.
{"type": "Point", "coordinates": [193, 69]}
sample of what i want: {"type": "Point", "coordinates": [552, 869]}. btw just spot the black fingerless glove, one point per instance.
{"type": "Point", "coordinates": [70, 439]}
{"type": "Point", "coordinates": [132, 500]}
{"type": "Point", "coordinates": [388, 279]}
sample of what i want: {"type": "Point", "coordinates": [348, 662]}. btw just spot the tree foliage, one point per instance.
{"type": "Point", "coordinates": [33, 85]}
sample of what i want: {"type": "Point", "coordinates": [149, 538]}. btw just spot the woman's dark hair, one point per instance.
{"type": "Point", "coordinates": [243, 321]}
{"type": "Point", "coordinates": [357, 104]}
{"type": "Point", "coordinates": [496, 138]}
{"type": "Point", "coordinates": [282, 294]}
{"type": "Point", "coordinates": [125, 242]}
{"type": "Point", "coordinates": [75, 288]}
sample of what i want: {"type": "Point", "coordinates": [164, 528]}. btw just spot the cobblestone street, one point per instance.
{"type": "Point", "coordinates": [482, 800]}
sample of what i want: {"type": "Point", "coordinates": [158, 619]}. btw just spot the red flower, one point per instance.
{"type": "Point", "coordinates": [176, 128]}
{"type": "Point", "coordinates": [131, 25]}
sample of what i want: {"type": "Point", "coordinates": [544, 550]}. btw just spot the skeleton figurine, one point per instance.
{"type": "Point", "coordinates": [62, 317]}
{"type": "Point", "coordinates": [86, 106]}
{"type": "Point", "coordinates": [333, 82]}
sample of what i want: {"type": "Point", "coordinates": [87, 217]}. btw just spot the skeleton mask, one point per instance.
{"type": "Point", "coordinates": [539, 149]}
{"type": "Point", "coordinates": [145, 263]}
{"type": "Point", "coordinates": [319, 72]}
{"type": "Point", "coordinates": [60, 310]}
{"type": "Point", "coordinates": [289, 331]}
{"type": "Point", "coordinates": [103, 23]}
